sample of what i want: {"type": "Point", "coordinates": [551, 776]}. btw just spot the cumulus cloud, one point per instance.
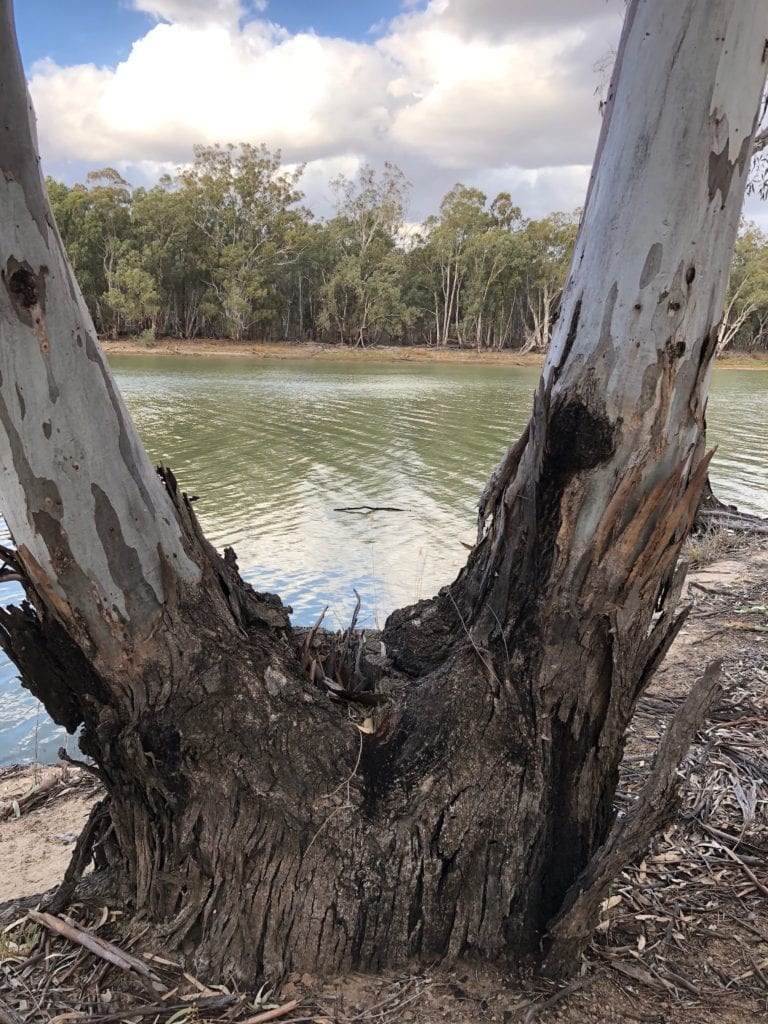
{"type": "Point", "coordinates": [497, 18]}
{"type": "Point", "coordinates": [198, 11]}
{"type": "Point", "coordinates": [441, 91]}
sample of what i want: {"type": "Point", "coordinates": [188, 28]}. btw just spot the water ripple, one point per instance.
{"type": "Point", "coordinates": [273, 448]}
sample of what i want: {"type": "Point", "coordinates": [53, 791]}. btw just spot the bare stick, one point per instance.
{"type": "Point", "coordinates": [99, 947]}
{"type": "Point", "coordinates": [365, 510]}
{"type": "Point", "coordinates": [279, 1011]}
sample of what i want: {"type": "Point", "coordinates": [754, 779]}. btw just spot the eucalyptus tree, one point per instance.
{"type": "Point", "coordinates": [360, 297]}
{"type": "Point", "coordinates": [550, 244]}
{"type": "Point", "coordinates": [176, 255]}
{"type": "Point", "coordinates": [745, 319]}
{"type": "Point", "coordinates": [244, 203]}
{"type": "Point", "coordinates": [131, 293]}
{"type": "Point", "coordinates": [462, 217]}
{"type": "Point", "coordinates": [247, 816]}
{"type": "Point", "coordinates": [95, 224]}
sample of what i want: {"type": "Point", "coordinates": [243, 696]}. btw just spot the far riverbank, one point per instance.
{"type": "Point", "coordinates": [213, 347]}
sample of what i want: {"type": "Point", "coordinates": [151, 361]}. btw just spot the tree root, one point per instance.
{"type": "Point", "coordinates": [87, 849]}
{"type": "Point", "coordinates": [713, 513]}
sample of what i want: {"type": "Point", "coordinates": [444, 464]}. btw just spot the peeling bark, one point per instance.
{"type": "Point", "coordinates": [251, 821]}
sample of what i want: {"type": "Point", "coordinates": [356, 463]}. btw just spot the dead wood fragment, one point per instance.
{"type": "Point", "coordinates": [274, 1014]}
{"type": "Point", "coordinates": [533, 1011]}
{"type": "Point", "coordinates": [95, 828]}
{"type": "Point", "coordinates": [69, 929]}
{"type": "Point", "coordinates": [367, 509]}
{"type": "Point", "coordinates": [570, 931]}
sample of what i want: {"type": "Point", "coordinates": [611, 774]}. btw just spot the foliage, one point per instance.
{"type": "Point", "coordinates": [745, 321]}
{"type": "Point", "coordinates": [225, 249]}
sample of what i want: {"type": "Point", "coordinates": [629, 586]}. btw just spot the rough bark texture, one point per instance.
{"type": "Point", "coordinates": [279, 801]}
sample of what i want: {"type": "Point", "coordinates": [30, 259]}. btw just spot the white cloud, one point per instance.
{"type": "Point", "coordinates": [198, 11]}
{"type": "Point", "coordinates": [440, 92]}
{"type": "Point", "coordinates": [497, 18]}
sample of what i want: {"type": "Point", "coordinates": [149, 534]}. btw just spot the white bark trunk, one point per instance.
{"type": "Point", "coordinates": [645, 294]}
{"type": "Point", "coordinates": [732, 323]}
{"type": "Point", "coordinates": [92, 522]}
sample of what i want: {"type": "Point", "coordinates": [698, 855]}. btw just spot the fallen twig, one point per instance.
{"type": "Point", "coordinates": [737, 860]}
{"type": "Point", "coordinates": [534, 1010]}
{"type": "Point", "coordinates": [161, 1011]}
{"type": "Point", "coordinates": [278, 1011]}
{"type": "Point", "coordinates": [367, 509]}
{"type": "Point", "coordinates": [67, 928]}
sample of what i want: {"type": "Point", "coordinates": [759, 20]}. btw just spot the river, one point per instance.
{"type": "Point", "coordinates": [274, 450]}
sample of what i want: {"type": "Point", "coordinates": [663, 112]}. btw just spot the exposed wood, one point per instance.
{"type": "Point", "coordinates": [630, 836]}
{"type": "Point", "coordinates": [275, 1014]}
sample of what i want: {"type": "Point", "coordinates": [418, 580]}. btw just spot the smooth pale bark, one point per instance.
{"type": "Point", "coordinates": [92, 523]}
{"type": "Point", "coordinates": [247, 817]}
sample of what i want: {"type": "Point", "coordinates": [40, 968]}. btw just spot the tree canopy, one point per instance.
{"type": "Point", "coordinates": [227, 249]}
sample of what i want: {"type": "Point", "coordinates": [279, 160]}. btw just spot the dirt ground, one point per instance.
{"type": "Point", "coordinates": [684, 936]}
{"type": "Point", "coordinates": [206, 347]}
{"type": "Point", "coordinates": [36, 845]}
{"type": "Point", "coordinates": [222, 347]}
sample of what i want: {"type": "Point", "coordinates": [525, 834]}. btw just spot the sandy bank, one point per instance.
{"type": "Point", "coordinates": [204, 347]}
{"type": "Point", "coordinates": [212, 347]}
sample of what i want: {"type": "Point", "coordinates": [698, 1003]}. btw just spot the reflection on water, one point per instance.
{"type": "Point", "coordinates": [273, 450]}
{"type": "Point", "coordinates": [737, 423]}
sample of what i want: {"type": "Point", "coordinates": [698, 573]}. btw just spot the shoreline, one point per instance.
{"type": "Point", "coordinates": [207, 348]}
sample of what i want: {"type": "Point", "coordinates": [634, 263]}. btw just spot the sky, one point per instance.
{"type": "Point", "coordinates": [498, 94]}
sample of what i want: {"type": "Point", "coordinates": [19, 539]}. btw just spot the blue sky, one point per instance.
{"type": "Point", "coordinates": [498, 94]}
{"type": "Point", "coordinates": [102, 31]}
{"type": "Point", "coordinates": [77, 32]}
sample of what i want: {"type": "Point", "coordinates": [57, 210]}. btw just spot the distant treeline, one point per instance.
{"type": "Point", "coordinates": [225, 249]}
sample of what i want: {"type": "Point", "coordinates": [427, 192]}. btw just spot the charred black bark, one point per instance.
{"type": "Point", "coordinates": [265, 820]}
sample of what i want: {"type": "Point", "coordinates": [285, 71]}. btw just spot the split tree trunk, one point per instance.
{"type": "Point", "coordinates": [253, 822]}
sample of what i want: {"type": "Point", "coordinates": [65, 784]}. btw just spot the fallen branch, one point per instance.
{"type": "Point", "coordinates": [69, 929]}
{"type": "Point", "coordinates": [161, 1011]}
{"type": "Point", "coordinates": [744, 522]}
{"type": "Point", "coordinates": [367, 509]}
{"type": "Point", "coordinates": [33, 796]}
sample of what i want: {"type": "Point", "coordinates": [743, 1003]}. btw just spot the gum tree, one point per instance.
{"type": "Point", "coordinates": [246, 815]}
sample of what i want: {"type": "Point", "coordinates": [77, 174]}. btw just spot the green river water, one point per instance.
{"type": "Point", "coordinates": [273, 449]}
